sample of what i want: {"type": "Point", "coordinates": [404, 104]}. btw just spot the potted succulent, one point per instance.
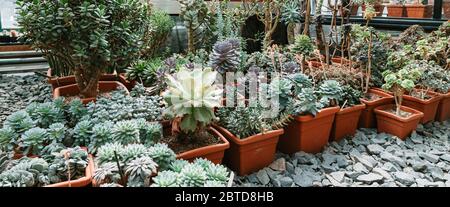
{"type": "Point", "coordinates": [418, 9]}
{"type": "Point", "coordinates": [424, 98]}
{"type": "Point", "coordinates": [399, 120]}
{"type": "Point", "coordinates": [190, 98]}
{"type": "Point", "coordinates": [376, 4]}
{"type": "Point", "coordinates": [396, 8]}
{"type": "Point", "coordinates": [253, 138]}
{"type": "Point", "coordinates": [313, 110]}
{"type": "Point", "coordinates": [89, 45]}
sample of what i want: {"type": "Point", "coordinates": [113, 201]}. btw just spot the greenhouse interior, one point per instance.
{"type": "Point", "coordinates": [230, 93]}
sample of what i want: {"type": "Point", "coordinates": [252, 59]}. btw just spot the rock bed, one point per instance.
{"type": "Point", "coordinates": [368, 159]}
{"type": "Point", "coordinates": [17, 91]}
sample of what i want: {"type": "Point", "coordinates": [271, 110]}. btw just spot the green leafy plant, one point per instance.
{"type": "Point", "coordinates": [166, 179]}
{"type": "Point", "coordinates": [161, 26]}
{"type": "Point", "coordinates": [32, 140]}
{"type": "Point", "coordinates": [306, 103]}
{"type": "Point", "coordinates": [107, 153]}
{"type": "Point", "coordinates": [26, 172]}
{"type": "Point", "coordinates": [290, 15]}
{"type": "Point", "coordinates": [133, 151]}
{"type": "Point", "coordinates": [107, 173]}
{"type": "Point", "coordinates": [57, 132]}
{"type": "Point", "coordinates": [303, 45]}
{"type": "Point", "coordinates": [192, 175]}
{"type": "Point", "coordinates": [8, 138]}
{"type": "Point", "coordinates": [19, 121]}
{"type": "Point", "coordinates": [178, 165]}
{"type": "Point", "coordinates": [150, 133]}
{"type": "Point", "coordinates": [126, 132]}
{"type": "Point", "coordinates": [433, 78]}
{"type": "Point", "coordinates": [101, 134]}
{"type": "Point", "coordinates": [82, 133]}
{"type": "Point", "coordinates": [330, 92]}
{"type": "Point", "coordinates": [76, 111]}
{"type": "Point", "coordinates": [45, 114]}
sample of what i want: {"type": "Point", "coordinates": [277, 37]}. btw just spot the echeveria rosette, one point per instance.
{"type": "Point", "coordinates": [225, 56]}
{"type": "Point", "coordinates": [191, 97]}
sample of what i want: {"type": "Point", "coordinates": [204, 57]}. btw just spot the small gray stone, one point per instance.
{"type": "Point", "coordinates": [279, 165]}
{"type": "Point", "coordinates": [417, 139]}
{"type": "Point", "coordinates": [430, 157]}
{"type": "Point", "coordinates": [394, 159]}
{"type": "Point", "coordinates": [286, 182]}
{"type": "Point", "coordinates": [447, 184]}
{"type": "Point", "coordinates": [389, 167]}
{"type": "Point", "coordinates": [419, 165]}
{"type": "Point", "coordinates": [326, 182]}
{"type": "Point", "coordinates": [341, 161]}
{"type": "Point", "coordinates": [353, 174]}
{"type": "Point", "coordinates": [303, 181]}
{"type": "Point", "coordinates": [375, 149]}
{"type": "Point", "coordinates": [404, 178]}
{"type": "Point", "coordinates": [358, 167]}
{"type": "Point", "coordinates": [437, 174]}
{"type": "Point", "coordinates": [370, 178]}
{"type": "Point", "coordinates": [263, 177]}
{"type": "Point", "coordinates": [334, 182]}
{"type": "Point", "coordinates": [426, 183]}
{"type": "Point", "coordinates": [272, 173]}
{"type": "Point", "coordinates": [382, 172]}
{"type": "Point", "coordinates": [338, 176]}
{"type": "Point", "coordinates": [304, 158]}
{"type": "Point", "coordinates": [380, 138]}
{"type": "Point", "coordinates": [446, 157]}
{"type": "Point", "coordinates": [290, 168]}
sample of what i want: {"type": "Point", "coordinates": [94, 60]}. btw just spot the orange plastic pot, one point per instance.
{"type": "Point", "coordinates": [428, 107]}
{"type": "Point", "coordinates": [308, 133]}
{"type": "Point", "coordinates": [81, 182]}
{"type": "Point", "coordinates": [346, 122]}
{"type": "Point", "coordinates": [396, 125]}
{"type": "Point", "coordinates": [213, 153]}
{"type": "Point", "coordinates": [127, 83]}
{"type": "Point", "coordinates": [396, 10]}
{"type": "Point", "coordinates": [252, 153]}
{"type": "Point", "coordinates": [443, 112]}
{"type": "Point", "coordinates": [368, 118]}
{"type": "Point", "coordinates": [419, 11]}
{"type": "Point", "coordinates": [73, 90]}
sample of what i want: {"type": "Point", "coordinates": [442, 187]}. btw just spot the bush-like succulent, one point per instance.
{"type": "Point", "coordinates": [19, 121]}
{"type": "Point", "coordinates": [33, 140]}
{"type": "Point", "coordinates": [166, 179]}
{"type": "Point", "coordinates": [162, 155]}
{"type": "Point", "coordinates": [225, 56]}
{"type": "Point", "coordinates": [191, 97]}
{"type": "Point", "coordinates": [8, 138]}
{"type": "Point", "coordinates": [108, 152]}
{"type": "Point", "coordinates": [217, 173]}
{"type": "Point", "coordinates": [303, 45]}
{"type": "Point", "coordinates": [46, 113]}
{"type": "Point", "coordinates": [126, 132]}
{"type": "Point", "coordinates": [68, 164]}
{"type": "Point", "coordinates": [400, 82]}
{"type": "Point", "coordinates": [140, 171]}
{"type": "Point", "coordinates": [82, 133]}
{"type": "Point", "coordinates": [101, 134]}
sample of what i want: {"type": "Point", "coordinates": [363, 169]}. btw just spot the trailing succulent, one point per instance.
{"type": "Point", "coordinates": [225, 56]}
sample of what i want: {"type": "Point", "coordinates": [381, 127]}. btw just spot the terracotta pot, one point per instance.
{"type": "Point", "coordinates": [368, 118]}
{"type": "Point", "coordinates": [214, 153]}
{"type": "Point", "coordinates": [353, 11]}
{"type": "Point", "coordinates": [81, 182]}
{"type": "Point", "coordinates": [443, 112]}
{"type": "Point", "coordinates": [308, 133]}
{"type": "Point", "coordinates": [340, 60]}
{"type": "Point", "coordinates": [427, 107]}
{"type": "Point", "coordinates": [396, 10]}
{"type": "Point", "coordinates": [395, 125]}
{"type": "Point", "coordinates": [446, 9]}
{"type": "Point", "coordinates": [13, 48]}
{"type": "Point", "coordinates": [419, 11]}
{"type": "Point", "coordinates": [73, 90]}
{"type": "Point", "coordinates": [69, 80]}
{"type": "Point", "coordinates": [346, 122]}
{"type": "Point", "coordinates": [252, 153]}
{"type": "Point", "coordinates": [379, 8]}
{"type": "Point", "coordinates": [129, 84]}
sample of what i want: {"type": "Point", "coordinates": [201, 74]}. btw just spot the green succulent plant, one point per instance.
{"type": "Point", "coordinates": [303, 45]}
{"type": "Point", "coordinates": [140, 171]}
{"type": "Point", "coordinates": [126, 132]}
{"type": "Point", "coordinates": [150, 133]}
{"type": "Point", "coordinates": [192, 175]}
{"type": "Point", "coordinates": [26, 172]}
{"type": "Point", "coordinates": [82, 133]}
{"type": "Point", "coordinates": [19, 121]}
{"type": "Point", "coordinates": [107, 152]}
{"type": "Point", "coordinates": [107, 173]}
{"type": "Point", "coordinates": [178, 165]}
{"type": "Point", "coordinates": [307, 103]}
{"type": "Point", "coordinates": [68, 164]}
{"type": "Point", "coordinates": [33, 140]}
{"type": "Point", "coordinates": [165, 179]}
{"type": "Point", "coordinates": [57, 132]}
{"type": "Point", "coordinates": [330, 93]}
{"type": "Point", "coordinates": [76, 110]}
{"type": "Point", "coordinates": [49, 152]}
{"type": "Point", "coordinates": [46, 113]}
{"type": "Point", "coordinates": [217, 173]}
{"type": "Point", "coordinates": [191, 97]}
{"type": "Point", "coordinates": [8, 138]}
{"type": "Point", "coordinates": [133, 151]}
{"type": "Point", "coordinates": [163, 155]}
{"type": "Point", "coordinates": [101, 134]}
{"type": "Point", "coordinates": [290, 12]}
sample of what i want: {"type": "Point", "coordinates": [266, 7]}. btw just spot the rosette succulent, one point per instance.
{"type": "Point", "coordinates": [225, 56]}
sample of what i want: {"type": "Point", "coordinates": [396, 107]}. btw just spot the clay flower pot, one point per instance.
{"type": "Point", "coordinates": [73, 90]}
{"type": "Point", "coordinates": [250, 154]}
{"type": "Point", "coordinates": [428, 107]}
{"type": "Point", "coordinates": [395, 10]}
{"type": "Point", "coordinates": [80, 182]}
{"type": "Point", "coordinates": [419, 11]}
{"type": "Point", "coordinates": [129, 84]}
{"type": "Point", "coordinates": [346, 122]}
{"type": "Point", "coordinates": [368, 119]}
{"type": "Point", "coordinates": [69, 80]}
{"type": "Point", "coordinates": [401, 127]}
{"type": "Point", "coordinates": [213, 153]}
{"type": "Point", "coordinates": [308, 133]}
{"type": "Point", "coordinates": [443, 112]}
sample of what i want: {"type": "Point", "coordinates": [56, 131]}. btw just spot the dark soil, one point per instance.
{"type": "Point", "coordinates": [371, 97]}
{"type": "Point", "coordinates": [403, 114]}
{"type": "Point", "coordinates": [418, 95]}
{"type": "Point", "coordinates": [180, 143]}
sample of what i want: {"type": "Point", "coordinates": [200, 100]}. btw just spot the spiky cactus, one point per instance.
{"type": "Point", "coordinates": [225, 56]}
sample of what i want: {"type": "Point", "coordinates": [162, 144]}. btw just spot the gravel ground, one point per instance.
{"type": "Point", "coordinates": [17, 91]}
{"type": "Point", "coordinates": [367, 159]}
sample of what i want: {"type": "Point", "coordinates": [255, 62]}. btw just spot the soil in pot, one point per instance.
{"type": "Point", "coordinates": [346, 122]}
{"type": "Point", "coordinates": [443, 112]}
{"type": "Point", "coordinates": [72, 91]}
{"type": "Point", "coordinates": [427, 106]}
{"type": "Point", "coordinates": [209, 144]}
{"type": "Point", "coordinates": [396, 10]}
{"type": "Point", "coordinates": [308, 133]}
{"type": "Point", "coordinates": [69, 80]}
{"type": "Point", "coordinates": [252, 153]}
{"type": "Point", "coordinates": [373, 99]}
{"type": "Point", "coordinates": [401, 126]}
{"type": "Point", "coordinates": [419, 11]}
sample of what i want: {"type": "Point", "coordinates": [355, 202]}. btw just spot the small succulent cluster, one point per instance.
{"type": "Point", "coordinates": [303, 45]}
{"type": "Point", "coordinates": [67, 164]}
{"type": "Point", "coordinates": [200, 173]}
{"type": "Point", "coordinates": [131, 165]}
{"type": "Point", "coordinates": [225, 56]}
